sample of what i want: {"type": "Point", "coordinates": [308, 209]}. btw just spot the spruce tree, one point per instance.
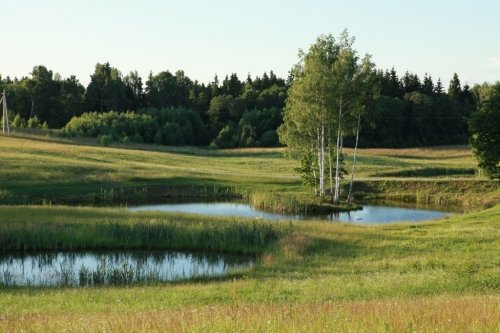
{"type": "Point", "coordinates": [428, 85]}
{"type": "Point", "coordinates": [455, 89]}
{"type": "Point", "coordinates": [438, 89]}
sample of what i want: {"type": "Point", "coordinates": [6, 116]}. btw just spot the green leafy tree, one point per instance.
{"type": "Point", "coordinates": [34, 122]}
{"type": "Point", "coordinates": [18, 122]}
{"type": "Point", "coordinates": [106, 90]}
{"type": "Point", "coordinates": [219, 112]}
{"type": "Point", "coordinates": [226, 138]}
{"type": "Point", "coordinates": [44, 91]}
{"type": "Point", "coordinates": [485, 129]}
{"type": "Point", "coordinates": [134, 90]}
{"type": "Point", "coordinates": [71, 99]}
{"type": "Point", "coordinates": [323, 104]}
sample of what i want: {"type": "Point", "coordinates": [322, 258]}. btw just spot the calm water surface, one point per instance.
{"type": "Point", "coordinates": [93, 268]}
{"type": "Point", "coordinates": [368, 215]}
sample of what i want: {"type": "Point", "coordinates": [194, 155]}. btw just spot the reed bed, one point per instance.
{"type": "Point", "coordinates": [297, 203]}
{"type": "Point", "coordinates": [467, 194]}
{"type": "Point", "coordinates": [31, 228]}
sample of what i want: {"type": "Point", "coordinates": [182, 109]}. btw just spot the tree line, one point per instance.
{"type": "Point", "coordinates": [407, 111]}
{"type": "Point", "coordinates": [234, 113]}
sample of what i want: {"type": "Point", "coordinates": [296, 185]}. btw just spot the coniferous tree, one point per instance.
{"type": "Point", "coordinates": [438, 89]}
{"type": "Point", "coordinates": [467, 95]}
{"type": "Point", "coordinates": [428, 85]}
{"type": "Point", "coordinates": [455, 89]}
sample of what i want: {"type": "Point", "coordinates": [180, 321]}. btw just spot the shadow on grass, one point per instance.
{"type": "Point", "coordinates": [429, 172]}
{"type": "Point", "coordinates": [333, 248]}
{"type": "Point", "coordinates": [117, 193]}
{"type": "Point", "coordinates": [53, 136]}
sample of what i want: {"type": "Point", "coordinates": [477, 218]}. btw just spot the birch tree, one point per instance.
{"type": "Point", "coordinates": [321, 104]}
{"type": "Point", "coordinates": [307, 124]}
{"type": "Point", "coordinates": [367, 79]}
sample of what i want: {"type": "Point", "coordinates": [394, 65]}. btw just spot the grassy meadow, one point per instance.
{"type": "Point", "coordinates": [40, 167]}
{"type": "Point", "coordinates": [439, 276]}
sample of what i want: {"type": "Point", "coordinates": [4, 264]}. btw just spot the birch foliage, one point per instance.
{"type": "Point", "coordinates": [326, 97]}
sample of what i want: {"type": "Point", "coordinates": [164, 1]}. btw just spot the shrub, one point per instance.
{"type": "Point", "coordinates": [225, 138]}
{"type": "Point", "coordinates": [105, 139]}
{"type": "Point", "coordinates": [18, 122]}
{"type": "Point", "coordinates": [34, 122]}
{"type": "Point", "coordinates": [269, 139]}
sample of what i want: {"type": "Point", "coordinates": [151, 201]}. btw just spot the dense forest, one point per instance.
{"type": "Point", "coordinates": [172, 109]}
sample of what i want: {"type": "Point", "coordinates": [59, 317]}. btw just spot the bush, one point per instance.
{"type": "Point", "coordinates": [162, 126]}
{"type": "Point", "coordinates": [269, 139]}
{"type": "Point", "coordinates": [34, 122]}
{"type": "Point", "coordinates": [105, 139]}
{"type": "Point", "coordinates": [158, 137]}
{"type": "Point", "coordinates": [18, 122]}
{"type": "Point", "coordinates": [225, 138]}
{"type": "Point", "coordinates": [137, 138]}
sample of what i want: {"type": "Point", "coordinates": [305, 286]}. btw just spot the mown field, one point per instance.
{"type": "Point", "coordinates": [440, 276]}
{"type": "Point", "coordinates": [43, 168]}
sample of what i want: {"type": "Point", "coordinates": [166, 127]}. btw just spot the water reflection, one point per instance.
{"type": "Point", "coordinates": [370, 214]}
{"type": "Point", "coordinates": [91, 268]}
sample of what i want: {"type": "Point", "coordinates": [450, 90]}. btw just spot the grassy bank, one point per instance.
{"type": "Point", "coordinates": [31, 228]}
{"type": "Point", "coordinates": [465, 194]}
{"type": "Point", "coordinates": [440, 276]}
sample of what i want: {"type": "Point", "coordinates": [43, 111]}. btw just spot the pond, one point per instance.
{"type": "Point", "coordinates": [116, 268]}
{"type": "Point", "coordinates": [370, 214]}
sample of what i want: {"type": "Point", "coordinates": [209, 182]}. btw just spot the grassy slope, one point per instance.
{"type": "Point", "coordinates": [32, 168]}
{"type": "Point", "coordinates": [37, 168]}
{"type": "Point", "coordinates": [438, 275]}
{"type": "Point", "coordinates": [327, 275]}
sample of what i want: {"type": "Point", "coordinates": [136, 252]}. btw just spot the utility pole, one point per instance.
{"type": "Point", "coordinates": [5, 114]}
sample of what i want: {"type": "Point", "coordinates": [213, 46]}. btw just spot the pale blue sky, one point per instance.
{"type": "Point", "coordinates": [223, 36]}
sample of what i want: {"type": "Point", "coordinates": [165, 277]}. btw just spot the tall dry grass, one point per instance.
{"type": "Point", "coordinates": [431, 314]}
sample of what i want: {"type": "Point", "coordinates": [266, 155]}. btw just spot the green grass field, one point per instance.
{"type": "Point", "coordinates": [43, 168]}
{"type": "Point", "coordinates": [440, 276]}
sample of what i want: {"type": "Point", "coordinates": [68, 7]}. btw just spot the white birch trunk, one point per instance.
{"type": "Point", "coordinates": [320, 163]}
{"type": "Point", "coordinates": [354, 159]}
{"type": "Point", "coordinates": [340, 164]}
{"type": "Point", "coordinates": [336, 195]}
{"type": "Point", "coordinates": [323, 158]}
{"type": "Point", "coordinates": [315, 182]}
{"type": "Point", "coordinates": [331, 169]}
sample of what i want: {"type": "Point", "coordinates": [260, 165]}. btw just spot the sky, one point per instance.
{"type": "Point", "coordinates": [204, 38]}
